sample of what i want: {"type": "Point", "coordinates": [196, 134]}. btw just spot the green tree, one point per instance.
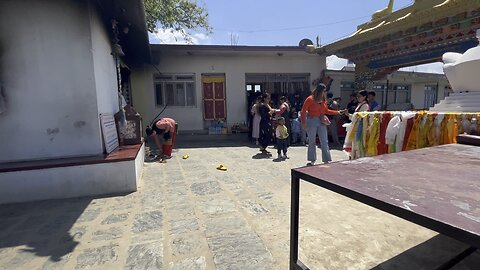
{"type": "Point", "coordinates": [178, 15]}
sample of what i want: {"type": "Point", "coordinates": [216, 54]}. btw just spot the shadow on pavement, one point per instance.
{"type": "Point", "coordinates": [262, 156]}
{"type": "Point", "coordinates": [45, 227]}
{"type": "Point", "coordinates": [440, 249]}
{"type": "Point", "coordinates": [278, 160]}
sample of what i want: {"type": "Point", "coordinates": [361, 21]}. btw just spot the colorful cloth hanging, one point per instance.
{"type": "Point", "coordinates": [373, 139]}
{"type": "Point", "coordinates": [376, 133]}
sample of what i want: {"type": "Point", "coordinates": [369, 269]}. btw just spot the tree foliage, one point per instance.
{"type": "Point", "coordinates": [177, 15]}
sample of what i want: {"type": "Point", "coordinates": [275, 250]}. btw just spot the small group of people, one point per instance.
{"type": "Point", "coordinates": [262, 110]}
{"type": "Point", "coordinates": [316, 107]}
{"type": "Point", "coordinates": [263, 113]}
{"type": "Point", "coordinates": [262, 124]}
{"type": "Point", "coordinates": [319, 116]}
{"type": "Point", "coordinates": [314, 121]}
{"type": "Point", "coordinates": [363, 97]}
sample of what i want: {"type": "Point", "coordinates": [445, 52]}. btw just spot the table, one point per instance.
{"type": "Point", "coordinates": [437, 188]}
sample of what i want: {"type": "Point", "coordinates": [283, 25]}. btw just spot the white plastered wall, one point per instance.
{"type": "Point", "coordinates": [234, 67]}
{"type": "Point", "coordinates": [56, 69]}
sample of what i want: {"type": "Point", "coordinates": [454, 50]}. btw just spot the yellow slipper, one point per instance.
{"type": "Point", "coordinates": [185, 156]}
{"type": "Point", "coordinates": [221, 168]}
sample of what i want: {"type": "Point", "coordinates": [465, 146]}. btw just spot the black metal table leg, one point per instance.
{"type": "Point", "coordinates": [295, 264]}
{"type": "Point", "coordinates": [294, 216]}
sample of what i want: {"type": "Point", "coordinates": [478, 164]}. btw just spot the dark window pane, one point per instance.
{"type": "Point", "coordinates": [180, 94]}
{"type": "Point", "coordinates": [184, 77]}
{"type": "Point", "coordinates": [190, 91]}
{"type": "Point", "coordinates": [170, 95]}
{"type": "Point", "coordinates": [163, 77]}
{"type": "Point", "coordinates": [402, 97]}
{"type": "Point", "coordinates": [158, 94]}
{"type": "Point", "coordinates": [390, 97]}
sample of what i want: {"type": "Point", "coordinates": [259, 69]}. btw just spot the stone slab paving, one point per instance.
{"type": "Point", "coordinates": [188, 215]}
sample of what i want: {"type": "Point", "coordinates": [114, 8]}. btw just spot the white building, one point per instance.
{"type": "Point", "coordinates": [178, 84]}
{"type": "Point", "coordinates": [57, 75]}
{"type": "Point", "coordinates": [183, 74]}
{"type": "Point", "coordinates": [406, 90]}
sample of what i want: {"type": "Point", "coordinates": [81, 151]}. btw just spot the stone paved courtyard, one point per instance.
{"type": "Point", "coordinates": [188, 215]}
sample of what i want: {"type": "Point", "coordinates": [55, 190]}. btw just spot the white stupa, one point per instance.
{"type": "Point", "coordinates": [463, 73]}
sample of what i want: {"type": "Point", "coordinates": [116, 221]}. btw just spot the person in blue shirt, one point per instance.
{"type": "Point", "coordinates": [297, 131]}
{"type": "Point", "coordinates": [374, 106]}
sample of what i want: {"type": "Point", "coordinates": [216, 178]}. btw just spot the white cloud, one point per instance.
{"type": "Point", "coordinates": [170, 36]}
{"type": "Point", "coordinates": [201, 38]}
{"type": "Point", "coordinates": [335, 62]}
{"type": "Point", "coordinates": [436, 67]}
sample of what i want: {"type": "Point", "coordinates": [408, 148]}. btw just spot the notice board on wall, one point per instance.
{"type": "Point", "coordinates": [109, 132]}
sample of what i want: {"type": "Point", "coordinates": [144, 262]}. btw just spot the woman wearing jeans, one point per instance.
{"type": "Point", "coordinates": [313, 115]}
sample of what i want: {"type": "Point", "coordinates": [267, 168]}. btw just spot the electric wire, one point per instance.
{"type": "Point", "coordinates": [291, 28]}
{"type": "Point", "coordinates": [303, 27]}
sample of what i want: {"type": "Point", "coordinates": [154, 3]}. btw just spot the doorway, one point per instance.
{"type": "Point", "coordinates": [296, 87]}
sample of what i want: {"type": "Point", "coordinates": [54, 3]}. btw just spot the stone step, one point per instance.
{"type": "Point", "coordinates": [471, 101]}
{"type": "Point", "coordinates": [459, 102]}
{"type": "Point", "coordinates": [454, 109]}
{"type": "Point", "coordinates": [461, 94]}
{"type": "Point", "coordinates": [467, 97]}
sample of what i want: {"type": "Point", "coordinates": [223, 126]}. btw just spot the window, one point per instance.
{"type": "Point", "coordinates": [398, 94]}
{"type": "Point", "coordinates": [347, 85]}
{"type": "Point", "coordinates": [254, 87]}
{"type": "Point", "coordinates": [346, 89]}
{"type": "Point", "coordinates": [430, 96]}
{"type": "Point", "coordinates": [175, 90]}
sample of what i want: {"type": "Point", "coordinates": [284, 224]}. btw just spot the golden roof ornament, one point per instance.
{"type": "Point", "coordinates": [379, 14]}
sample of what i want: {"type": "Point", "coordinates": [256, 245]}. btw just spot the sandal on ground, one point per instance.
{"type": "Point", "coordinates": [221, 168]}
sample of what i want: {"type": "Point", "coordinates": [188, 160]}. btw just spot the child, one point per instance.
{"type": "Point", "coordinates": [281, 133]}
{"type": "Point", "coordinates": [296, 130]}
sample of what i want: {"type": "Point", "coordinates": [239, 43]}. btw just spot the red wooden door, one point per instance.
{"type": "Point", "coordinates": [214, 98]}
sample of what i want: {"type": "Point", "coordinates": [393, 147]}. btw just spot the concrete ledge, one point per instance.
{"type": "Point", "coordinates": [76, 180]}
{"type": "Point", "coordinates": [124, 153]}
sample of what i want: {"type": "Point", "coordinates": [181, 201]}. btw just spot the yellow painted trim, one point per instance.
{"type": "Point", "coordinates": [213, 79]}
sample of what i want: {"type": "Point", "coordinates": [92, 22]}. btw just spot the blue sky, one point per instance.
{"type": "Point", "coordinates": [285, 23]}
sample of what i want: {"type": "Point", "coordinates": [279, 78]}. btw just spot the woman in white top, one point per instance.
{"type": "Point", "coordinates": [256, 120]}
{"type": "Point", "coordinates": [351, 147]}
{"type": "Point", "coordinates": [362, 98]}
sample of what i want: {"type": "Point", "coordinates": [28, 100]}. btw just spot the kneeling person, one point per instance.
{"type": "Point", "coordinates": [165, 127]}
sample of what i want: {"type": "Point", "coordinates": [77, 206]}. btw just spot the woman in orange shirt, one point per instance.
{"type": "Point", "coordinates": [313, 113]}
